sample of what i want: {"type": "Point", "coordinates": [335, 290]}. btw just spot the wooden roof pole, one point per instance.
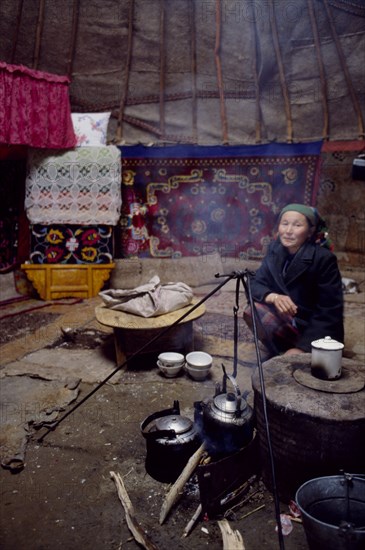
{"type": "Point", "coordinates": [16, 30]}
{"type": "Point", "coordinates": [162, 67]}
{"type": "Point", "coordinates": [284, 87]}
{"type": "Point", "coordinates": [75, 24]}
{"type": "Point", "coordinates": [119, 133]}
{"type": "Point", "coordinates": [193, 73]}
{"type": "Point", "coordinates": [322, 75]}
{"type": "Point", "coordinates": [256, 78]}
{"type": "Point", "coordinates": [217, 47]}
{"type": "Point", "coordinates": [346, 71]}
{"type": "Point", "coordinates": [38, 37]}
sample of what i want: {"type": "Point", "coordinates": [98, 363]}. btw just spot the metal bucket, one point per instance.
{"type": "Point", "coordinates": [333, 512]}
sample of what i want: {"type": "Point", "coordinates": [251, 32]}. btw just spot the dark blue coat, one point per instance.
{"type": "Point", "coordinates": [313, 282]}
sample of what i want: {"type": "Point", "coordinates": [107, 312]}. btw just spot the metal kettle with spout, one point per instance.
{"type": "Point", "coordinates": [226, 420]}
{"type": "Point", "coordinates": [171, 439]}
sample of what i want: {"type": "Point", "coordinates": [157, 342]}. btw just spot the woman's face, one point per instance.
{"type": "Point", "coordinates": [294, 230]}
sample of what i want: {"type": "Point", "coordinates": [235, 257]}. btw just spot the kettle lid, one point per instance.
{"type": "Point", "coordinates": [227, 402]}
{"type": "Point", "coordinates": [179, 424]}
{"type": "Point", "coordinates": [327, 343]}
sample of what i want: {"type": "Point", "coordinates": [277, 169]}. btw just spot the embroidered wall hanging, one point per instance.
{"type": "Point", "coordinates": [71, 244]}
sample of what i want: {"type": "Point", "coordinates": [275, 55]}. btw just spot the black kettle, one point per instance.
{"type": "Point", "coordinates": [226, 420]}
{"type": "Point", "coordinates": [171, 439]}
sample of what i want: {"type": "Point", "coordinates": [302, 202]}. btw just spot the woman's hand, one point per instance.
{"type": "Point", "coordinates": [283, 303]}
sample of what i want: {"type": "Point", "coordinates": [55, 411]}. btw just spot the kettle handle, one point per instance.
{"type": "Point", "coordinates": [235, 385]}
{"type": "Point", "coordinates": [162, 433]}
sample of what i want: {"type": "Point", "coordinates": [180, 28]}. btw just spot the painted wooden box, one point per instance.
{"type": "Point", "coordinates": [62, 281]}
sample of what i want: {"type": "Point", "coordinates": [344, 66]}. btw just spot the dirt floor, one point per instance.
{"type": "Point", "coordinates": [64, 496]}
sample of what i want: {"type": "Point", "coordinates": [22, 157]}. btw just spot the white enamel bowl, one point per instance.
{"type": "Point", "coordinates": [199, 373]}
{"type": "Point", "coordinates": [199, 360]}
{"type": "Point", "coordinates": [170, 363]}
{"type": "Point", "coordinates": [171, 359]}
{"type": "Point", "coordinates": [170, 371]}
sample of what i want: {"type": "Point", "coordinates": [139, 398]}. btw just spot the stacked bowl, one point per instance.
{"type": "Point", "coordinates": [170, 363]}
{"type": "Point", "coordinates": [198, 364]}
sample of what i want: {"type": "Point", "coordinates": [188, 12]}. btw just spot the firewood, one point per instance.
{"type": "Point", "coordinates": [193, 521]}
{"type": "Point", "coordinates": [133, 525]}
{"type": "Point", "coordinates": [232, 540]}
{"type": "Point", "coordinates": [177, 488]}
{"type": "Point", "coordinates": [253, 511]}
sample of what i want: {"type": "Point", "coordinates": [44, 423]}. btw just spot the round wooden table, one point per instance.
{"type": "Point", "coordinates": [152, 335]}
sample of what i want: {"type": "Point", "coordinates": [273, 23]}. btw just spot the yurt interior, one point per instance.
{"type": "Point", "coordinates": [147, 151]}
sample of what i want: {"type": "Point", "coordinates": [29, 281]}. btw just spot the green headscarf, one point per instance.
{"type": "Point", "coordinates": [320, 235]}
{"type": "Point", "coordinates": [307, 211]}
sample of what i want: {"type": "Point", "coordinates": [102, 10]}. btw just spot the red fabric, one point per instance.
{"type": "Point", "coordinates": [331, 146]}
{"type": "Point", "coordinates": [35, 108]}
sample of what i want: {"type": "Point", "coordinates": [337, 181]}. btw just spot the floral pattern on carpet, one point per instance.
{"type": "Point", "coordinates": [188, 201]}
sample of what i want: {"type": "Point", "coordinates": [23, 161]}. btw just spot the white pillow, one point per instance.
{"type": "Point", "coordinates": [90, 128]}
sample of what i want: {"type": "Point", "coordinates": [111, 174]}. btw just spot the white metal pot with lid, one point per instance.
{"type": "Point", "coordinates": [326, 360]}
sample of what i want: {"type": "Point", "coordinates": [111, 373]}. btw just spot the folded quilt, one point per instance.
{"type": "Point", "coordinates": [149, 300]}
{"type": "Point", "coordinates": [80, 186]}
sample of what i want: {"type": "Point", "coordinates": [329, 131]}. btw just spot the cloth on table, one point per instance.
{"type": "Point", "coordinates": [80, 186]}
{"type": "Point", "coordinates": [149, 300]}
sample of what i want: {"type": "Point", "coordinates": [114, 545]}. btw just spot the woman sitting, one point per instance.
{"type": "Point", "coordinates": [297, 290]}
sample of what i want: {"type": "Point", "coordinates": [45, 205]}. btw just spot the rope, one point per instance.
{"type": "Point", "coordinates": [150, 98]}
{"type": "Point", "coordinates": [349, 7]}
{"type": "Point", "coordinates": [239, 276]}
{"type": "Point", "coordinates": [132, 356]}
{"type": "Point", "coordinates": [154, 130]}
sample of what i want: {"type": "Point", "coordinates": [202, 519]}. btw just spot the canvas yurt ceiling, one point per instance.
{"type": "Point", "coordinates": [201, 71]}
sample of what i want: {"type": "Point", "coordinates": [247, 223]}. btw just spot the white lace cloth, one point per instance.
{"type": "Point", "coordinates": [81, 186]}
